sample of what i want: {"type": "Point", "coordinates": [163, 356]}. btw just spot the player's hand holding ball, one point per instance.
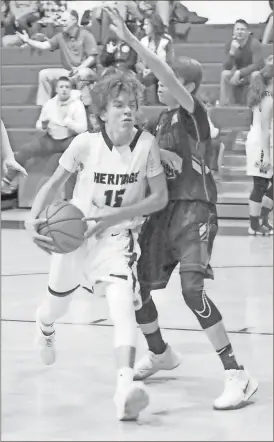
{"type": "Point", "coordinates": [59, 228]}
{"type": "Point", "coordinates": [105, 217]}
{"type": "Point", "coordinates": [45, 243]}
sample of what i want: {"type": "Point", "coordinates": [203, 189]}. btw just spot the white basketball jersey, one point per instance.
{"type": "Point", "coordinates": [108, 175]}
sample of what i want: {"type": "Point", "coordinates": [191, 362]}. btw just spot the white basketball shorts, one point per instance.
{"type": "Point", "coordinates": [110, 259]}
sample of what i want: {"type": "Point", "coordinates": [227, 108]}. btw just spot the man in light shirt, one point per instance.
{"type": "Point", "coordinates": [61, 119]}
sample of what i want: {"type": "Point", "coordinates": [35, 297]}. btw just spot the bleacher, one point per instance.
{"type": "Point", "coordinates": [20, 68]}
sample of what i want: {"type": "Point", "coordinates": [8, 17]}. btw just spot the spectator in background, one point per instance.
{"type": "Point", "coordinates": [52, 12]}
{"type": "Point", "coordinates": [78, 51]}
{"type": "Point", "coordinates": [7, 155]}
{"type": "Point", "coordinates": [61, 119]}
{"type": "Point", "coordinates": [100, 20]}
{"type": "Point", "coordinates": [19, 16]}
{"type": "Point", "coordinates": [117, 53]}
{"type": "Point", "coordinates": [259, 150]}
{"type": "Point", "coordinates": [161, 44]}
{"type": "Point", "coordinates": [244, 57]}
{"type": "Point", "coordinates": [268, 32]}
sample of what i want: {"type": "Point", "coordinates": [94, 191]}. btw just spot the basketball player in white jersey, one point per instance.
{"type": "Point", "coordinates": [115, 168]}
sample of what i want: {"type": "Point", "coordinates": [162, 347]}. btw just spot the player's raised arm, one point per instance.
{"type": "Point", "coordinates": [159, 67]}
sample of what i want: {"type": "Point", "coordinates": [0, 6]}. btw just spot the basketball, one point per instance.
{"type": "Point", "coordinates": [64, 225]}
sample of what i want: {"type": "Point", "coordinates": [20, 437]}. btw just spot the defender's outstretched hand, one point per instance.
{"type": "Point", "coordinates": [118, 25]}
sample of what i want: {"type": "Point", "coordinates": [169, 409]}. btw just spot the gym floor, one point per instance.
{"type": "Point", "coordinates": [72, 400]}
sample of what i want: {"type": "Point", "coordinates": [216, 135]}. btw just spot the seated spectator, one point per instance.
{"type": "Point", "coordinates": [61, 119]}
{"type": "Point", "coordinates": [244, 58]}
{"type": "Point", "coordinates": [268, 32]}
{"type": "Point", "coordinates": [117, 53]}
{"type": "Point", "coordinates": [78, 51]}
{"type": "Point", "coordinates": [159, 42]}
{"type": "Point", "coordinates": [19, 16]}
{"type": "Point", "coordinates": [52, 12]}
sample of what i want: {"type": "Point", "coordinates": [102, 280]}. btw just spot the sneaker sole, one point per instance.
{"type": "Point", "coordinates": [252, 388]}
{"type": "Point", "coordinates": [141, 378]}
{"type": "Point", "coordinates": [136, 401]}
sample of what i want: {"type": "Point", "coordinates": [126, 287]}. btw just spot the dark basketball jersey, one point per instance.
{"type": "Point", "coordinates": [188, 135]}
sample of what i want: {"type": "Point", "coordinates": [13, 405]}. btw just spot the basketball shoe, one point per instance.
{"type": "Point", "coordinates": [45, 342]}
{"type": "Point", "coordinates": [131, 401]}
{"type": "Point", "coordinates": [262, 230]}
{"type": "Point", "coordinates": [239, 387]}
{"type": "Point", "coordinates": [151, 363]}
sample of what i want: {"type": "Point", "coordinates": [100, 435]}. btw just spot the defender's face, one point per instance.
{"type": "Point", "coordinates": [165, 97]}
{"type": "Point", "coordinates": [63, 90]}
{"type": "Point", "coordinates": [120, 114]}
{"type": "Point", "coordinates": [240, 31]}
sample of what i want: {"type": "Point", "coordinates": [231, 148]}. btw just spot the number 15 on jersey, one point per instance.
{"type": "Point", "coordinates": [114, 198]}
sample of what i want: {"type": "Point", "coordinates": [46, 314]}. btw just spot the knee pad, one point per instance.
{"type": "Point", "coordinates": [197, 300]}
{"type": "Point", "coordinates": [147, 313]}
{"type": "Point", "coordinates": [269, 192]}
{"type": "Point", "coordinates": [258, 191]}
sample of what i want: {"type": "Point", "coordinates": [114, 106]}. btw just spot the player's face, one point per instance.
{"type": "Point", "coordinates": [165, 96]}
{"type": "Point", "coordinates": [63, 90]}
{"type": "Point", "coordinates": [120, 114]}
{"type": "Point", "coordinates": [240, 31]}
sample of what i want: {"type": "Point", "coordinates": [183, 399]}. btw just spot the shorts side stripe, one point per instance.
{"type": "Point", "coordinates": [62, 294]}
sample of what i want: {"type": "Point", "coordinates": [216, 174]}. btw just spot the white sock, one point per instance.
{"type": "Point", "coordinates": [124, 377]}
{"type": "Point", "coordinates": [47, 329]}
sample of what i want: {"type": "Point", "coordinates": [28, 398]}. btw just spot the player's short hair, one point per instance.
{"type": "Point", "coordinates": [190, 70]}
{"type": "Point", "coordinates": [242, 22]}
{"type": "Point", "coordinates": [111, 84]}
{"type": "Point", "coordinates": [64, 78]}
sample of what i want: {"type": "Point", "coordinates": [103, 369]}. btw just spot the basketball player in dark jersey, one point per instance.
{"type": "Point", "coordinates": [183, 233]}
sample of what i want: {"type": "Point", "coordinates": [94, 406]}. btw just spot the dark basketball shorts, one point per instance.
{"type": "Point", "coordinates": [183, 233]}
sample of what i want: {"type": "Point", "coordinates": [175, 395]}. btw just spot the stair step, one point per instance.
{"type": "Point", "coordinates": [231, 160]}
{"type": "Point", "coordinates": [234, 211]}
{"type": "Point", "coordinates": [22, 74]}
{"type": "Point", "coordinates": [233, 198]}
{"type": "Point", "coordinates": [231, 116]}
{"type": "Point", "coordinates": [18, 94]}
{"type": "Point", "coordinates": [24, 94]}
{"type": "Point", "coordinates": [235, 187]}
{"type": "Point", "coordinates": [217, 33]}
{"type": "Point", "coordinates": [26, 56]}
{"type": "Point", "coordinates": [29, 74]}
{"type": "Point", "coordinates": [204, 53]}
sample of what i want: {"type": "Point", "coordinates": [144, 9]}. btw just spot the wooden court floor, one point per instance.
{"type": "Point", "coordinates": [72, 400]}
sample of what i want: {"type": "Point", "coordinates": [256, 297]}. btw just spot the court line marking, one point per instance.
{"type": "Point", "coordinates": [215, 267]}
{"type": "Point", "coordinates": [98, 322]}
